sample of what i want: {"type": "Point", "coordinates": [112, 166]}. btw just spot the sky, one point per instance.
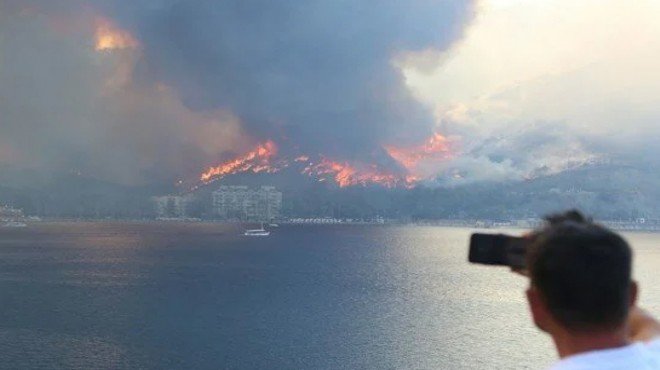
{"type": "Point", "coordinates": [438, 92]}
{"type": "Point", "coordinates": [542, 85]}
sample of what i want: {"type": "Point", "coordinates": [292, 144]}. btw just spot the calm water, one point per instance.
{"type": "Point", "coordinates": [168, 296]}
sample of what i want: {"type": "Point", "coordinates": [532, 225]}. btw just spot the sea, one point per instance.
{"type": "Point", "coordinates": [203, 296]}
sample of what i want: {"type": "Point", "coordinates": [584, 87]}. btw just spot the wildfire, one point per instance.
{"type": "Point", "coordinates": [346, 175]}
{"type": "Point", "coordinates": [436, 147]}
{"type": "Point", "coordinates": [110, 37]}
{"type": "Point", "coordinates": [257, 160]}
{"type": "Point", "coordinates": [264, 159]}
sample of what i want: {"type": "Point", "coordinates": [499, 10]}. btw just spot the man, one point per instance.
{"type": "Point", "coordinates": [581, 293]}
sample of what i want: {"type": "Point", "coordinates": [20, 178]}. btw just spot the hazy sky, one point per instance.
{"type": "Point", "coordinates": [520, 88]}
{"type": "Point", "coordinates": [548, 82]}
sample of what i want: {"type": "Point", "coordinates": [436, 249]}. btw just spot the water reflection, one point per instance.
{"type": "Point", "coordinates": [202, 296]}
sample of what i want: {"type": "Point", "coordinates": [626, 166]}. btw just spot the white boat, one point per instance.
{"type": "Point", "coordinates": [273, 225]}
{"type": "Point", "coordinates": [14, 224]}
{"type": "Point", "coordinates": [257, 232]}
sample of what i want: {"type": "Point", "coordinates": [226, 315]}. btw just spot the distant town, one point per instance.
{"type": "Point", "coordinates": [629, 200]}
{"type": "Point", "coordinates": [243, 203]}
{"type": "Point", "coordinates": [230, 203]}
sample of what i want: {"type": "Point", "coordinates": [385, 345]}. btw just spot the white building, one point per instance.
{"type": "Point", "coordinates": [9, 213]}
{"type": "Point", "coordinates": [244, 203]}
{"type": "Point", "coordinates": [170, 206]}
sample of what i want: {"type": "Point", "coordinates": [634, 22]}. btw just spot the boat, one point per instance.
{"type": "Point", "coordinates": [257, 232]}
{"type": "Point", "coordinates": [273, 225]}
{"type": "Point", "coordinates": [14, 224]}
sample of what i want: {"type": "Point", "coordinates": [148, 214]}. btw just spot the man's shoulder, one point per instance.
{"type": "Point", "coordinates": [634, 356]}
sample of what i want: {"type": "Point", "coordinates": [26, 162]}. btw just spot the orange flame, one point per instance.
{"type": "Point", "coordinates": [436, 147]}
{"type": "Point", "coordinates": [262, 159]}
{"type": "Point", "coordinates": [110, 37]}
{"type": "Point", "coordinates": [346, 175]}
{"type": "Point", "coordinates": [257, 160]}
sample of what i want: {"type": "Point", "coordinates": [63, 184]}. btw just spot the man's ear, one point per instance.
{"type": "Point", "coordinates": [537, 308]}
{"type": "Point", "coordinates": [634, 293]}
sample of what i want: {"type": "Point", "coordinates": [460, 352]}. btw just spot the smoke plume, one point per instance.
{"type": "Point", "coordinates": [159, 90]}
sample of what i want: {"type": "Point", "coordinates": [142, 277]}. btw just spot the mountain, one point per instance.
{"type": "Point", "coordinates": [604, 190]}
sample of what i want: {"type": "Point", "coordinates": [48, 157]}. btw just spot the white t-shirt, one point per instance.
{"type": "Point", "coordinates": [638, 356]}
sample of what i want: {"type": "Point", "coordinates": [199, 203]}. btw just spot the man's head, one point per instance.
{"type": "Point", "coordinates": [580, 276]}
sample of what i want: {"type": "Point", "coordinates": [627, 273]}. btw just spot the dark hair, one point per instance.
{"type": "Point", "coordinates": [582, 271]}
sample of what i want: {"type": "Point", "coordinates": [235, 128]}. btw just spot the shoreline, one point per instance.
{"type": "Point", "coordinates": [448, 223]}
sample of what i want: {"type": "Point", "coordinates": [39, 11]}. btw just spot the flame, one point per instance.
{"type": "Point", "coordinates": [346, 175]}
{"type": "Point", "coordinates": [436, 147]}
{"type": "Point", "coordinates": [264, 159]}
{"type": "Point", "coordinates": [110, 37]}
{"type": "Point", "coordinates": [256, 160]}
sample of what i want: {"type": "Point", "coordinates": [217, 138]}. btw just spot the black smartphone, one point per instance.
{"type": "Point", "coordinates": [497, 249]}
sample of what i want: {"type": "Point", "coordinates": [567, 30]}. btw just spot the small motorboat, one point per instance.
{"type": "Point", "coordinates": [257, 232]}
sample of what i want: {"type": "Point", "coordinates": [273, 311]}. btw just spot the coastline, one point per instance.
{"type": "Point", "coordinates": [449, 223]}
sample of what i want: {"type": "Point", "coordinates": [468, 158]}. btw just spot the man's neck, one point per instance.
{"type": "Point", "coordinates": [569, 344]}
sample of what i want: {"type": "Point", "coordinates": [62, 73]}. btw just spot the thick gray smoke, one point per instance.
{"type": "Point", "coordinates": [319, 73]}
{"type": "Point", "coordinates": [317, 76]}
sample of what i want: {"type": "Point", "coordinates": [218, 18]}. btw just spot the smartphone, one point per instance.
{"type": "Point", "coordinates": [497, 249]}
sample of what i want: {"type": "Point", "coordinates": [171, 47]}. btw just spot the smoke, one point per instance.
{"type": "Point", "coordinates": [318, 73]}
{"type": "Point", "coordinates": [68, 108]}
{"type": "Point", "coordinates": [537, 87]}
{"type": "Point", "coordinates": [211, 78]}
